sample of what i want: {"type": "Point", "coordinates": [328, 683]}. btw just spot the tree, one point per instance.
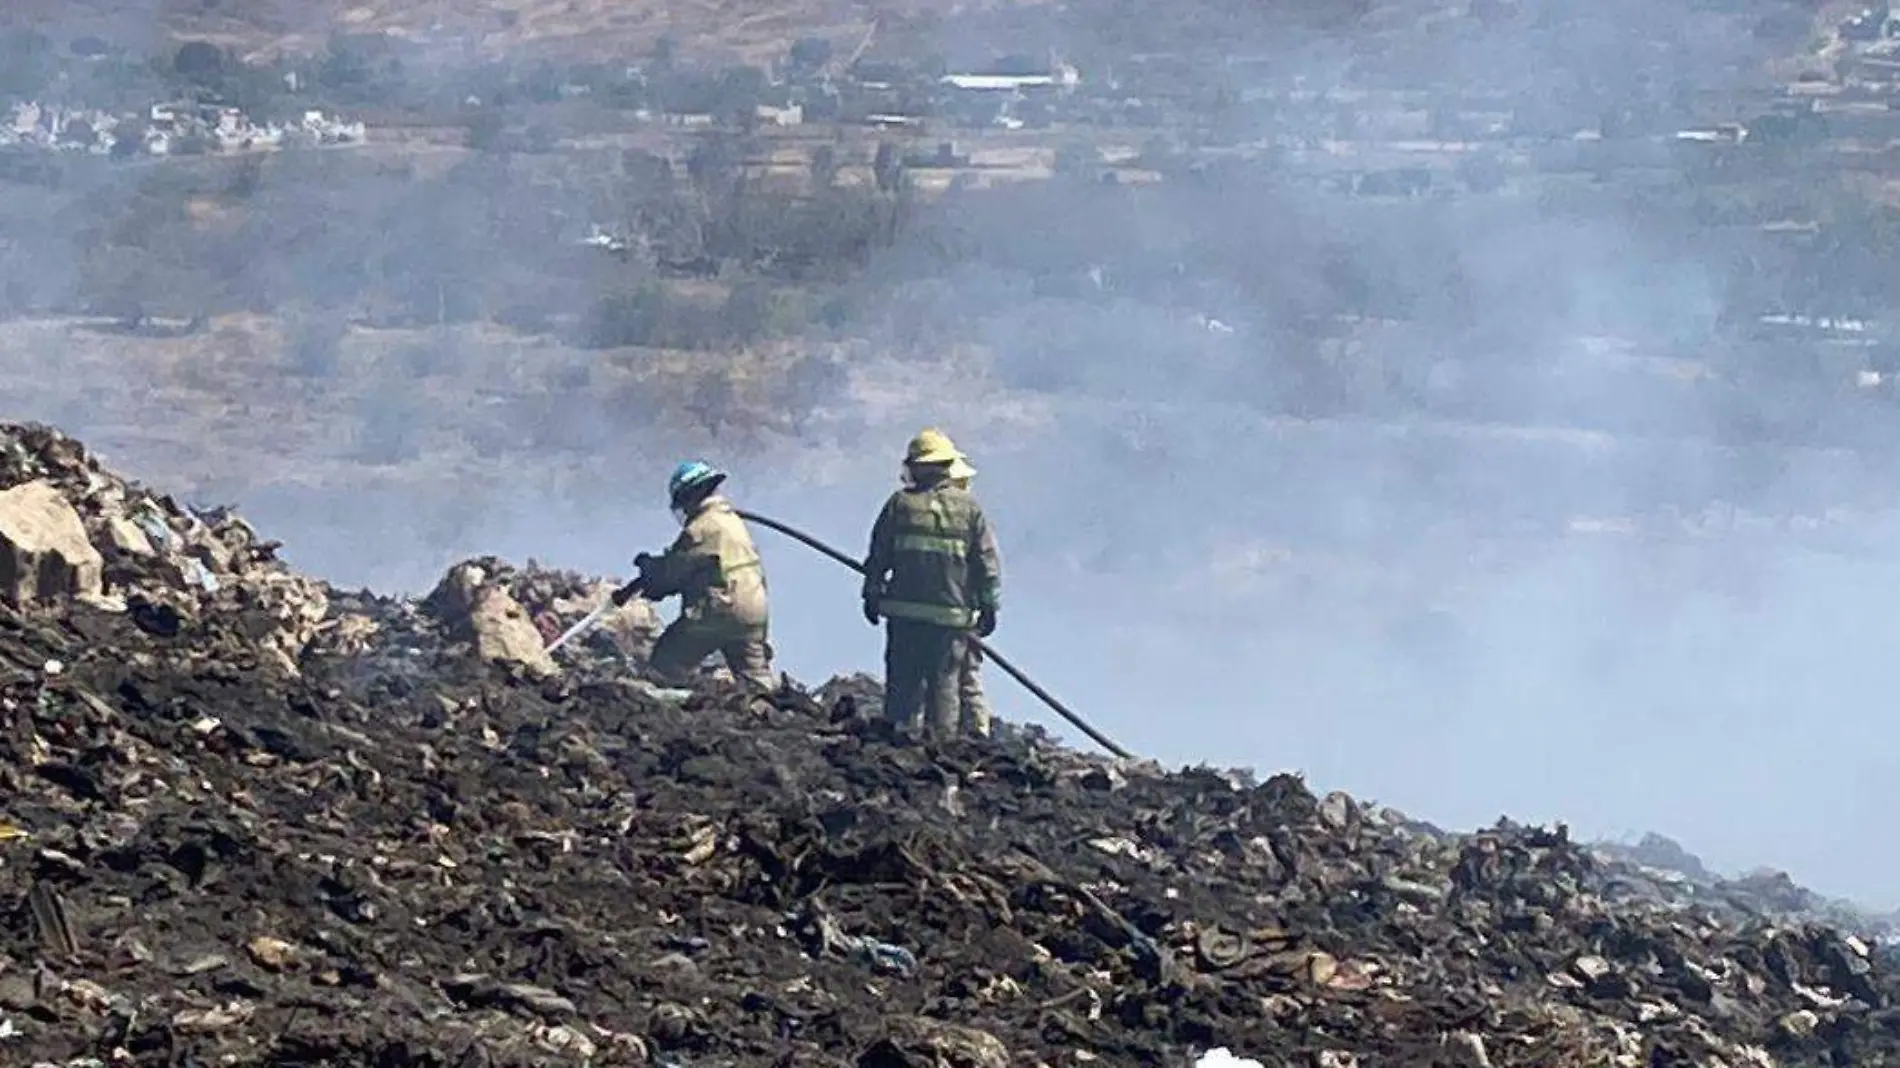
{"type": "Point", "coordinates": [739, 92]}
{"type": "Point", "coordinates": [632, 318]}
{"type": "Point", "coordinates": [343, 67]}
{"type": "Point", "coordinates": [748, 311]}
{"type": "Point", "coordinates": [808, 54]}
{"type": "Point", "coordinates": [246, 180]}
{"type": "Point", "coordinates": [649, 173]}
{"type": "Point", "coordinates": [824, 166]}
{"type": "Point", "coordinates": [712, 399]}
{"type": "Point", "coordinates": [543, 83]}
{"type": "Point", "coordinates": [388, 432]}
{"type": "Point", "coordinates": [200, 63]}
{"type": "Point", "coordinates": [27, 63]}
{"type": "Point", "coordinates": [1075, 160]}
{"type": "Point", "coordinates": [1481, 173]}
{"type": "Point", "coordinates": [888, 167]}
{"type": "Point", "coordinates": [80, 132]}
{"type": "Point", "coordinates": [361, 67]}
{"type": "Point", "coordinates": [311, 343]}
{"type": "Point", "coordinates": [484, 129]}
{"type": "Point", "coordinates": [712, 160]}
{"type": "Point", "coordinates": [665, 51]}
{"type": "Point", "coordinates": [812, 382]}
{"type": "Point", "coordinates": [128, 139]}
{"type": "Point", "coordinates": [191, 144]}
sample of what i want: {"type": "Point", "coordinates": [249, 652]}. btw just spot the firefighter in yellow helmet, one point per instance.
{"type": "Point", "coordinates": [715, 570]}
{"type": "Point", "coordinates": [932, 576]}
{"type": "Point", "coordinates": [973, 704]}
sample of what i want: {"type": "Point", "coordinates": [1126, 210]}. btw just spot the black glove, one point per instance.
{"type": "Point", "coordinates": [627, 593]}
{"type": "Point", "coordinates": [986, 622]}
{"type": "Point", "coordinates": [871, 615]}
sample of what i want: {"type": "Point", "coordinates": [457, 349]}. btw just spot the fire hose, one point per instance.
{"type": "Point", "coordinates": [1010, 669]}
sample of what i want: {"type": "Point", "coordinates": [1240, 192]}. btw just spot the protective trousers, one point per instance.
{"type": "Point", "coordinates": [975, 706]}
{"type": "Point", "coordinates": [923, 673]}
{"type": "Point", "coordinates": [688, 641]}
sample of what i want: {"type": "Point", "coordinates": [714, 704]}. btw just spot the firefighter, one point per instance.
{"type": "Point", "coordinates": [932, 576]}
{"type": "Point", "coordinates": [715, 570]}
{"type": "Point", "coordinates": [973, 705]}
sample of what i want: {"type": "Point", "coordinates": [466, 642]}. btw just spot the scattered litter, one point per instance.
{"type": "Point", "coordinates": [364, 830]}
{"type": "Point", "coordinates": [272, 953]}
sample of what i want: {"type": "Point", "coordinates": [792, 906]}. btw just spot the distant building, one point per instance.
{"type": "Point", "coordinates": [1059, 75]}
{"type": "Point", "coordinates": [166, 128]}
{"type": "Point", "coordinates": [1722, 133]}
{"type": "Point", "coordinates": [989, 83]}
{"type": "Point", "coordinates": [790, 115]}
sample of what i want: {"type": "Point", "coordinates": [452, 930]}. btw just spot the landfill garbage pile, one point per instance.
{"type": "Point", "coordinates": [1673, 871]}
{"type": "Point", "coordinates": [408, 849]}
{"type": "Point", "coordinates": [483, 611]}
{"type": "Point", "coordinates": [71, 529]}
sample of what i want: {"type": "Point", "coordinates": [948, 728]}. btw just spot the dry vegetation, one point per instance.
{"type": "Point", "coordinates": [232, 403]}
{"type": "Point", "coordinates": [749, 29]}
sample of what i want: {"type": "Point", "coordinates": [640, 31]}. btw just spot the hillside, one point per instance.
{"type": "Point", "coordinates": [616, 30]}
{"type": "Point", "coordinates": [254, 820]}
{"type": "Point", "coordinates": [571, 28]}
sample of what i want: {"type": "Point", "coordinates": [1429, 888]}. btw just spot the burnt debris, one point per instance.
{"type": "Point", "coordinates": [246, 819]}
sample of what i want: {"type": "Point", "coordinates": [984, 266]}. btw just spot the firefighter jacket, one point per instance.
{"type": "Point", "coordinates": [933, 558]}
{"type": "Point", "coordinates": [713, 567]}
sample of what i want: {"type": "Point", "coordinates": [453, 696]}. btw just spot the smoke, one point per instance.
{"type": "Point", "coordinates": [1466, 497]}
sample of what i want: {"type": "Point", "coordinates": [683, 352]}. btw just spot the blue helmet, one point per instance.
{"type": "Point", "coordinates": [692, 475]}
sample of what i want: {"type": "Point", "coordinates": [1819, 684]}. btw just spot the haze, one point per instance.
{"type": "Point", "coordinates": [1487, 498]}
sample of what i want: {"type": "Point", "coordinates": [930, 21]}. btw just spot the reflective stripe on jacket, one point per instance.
{"type": "Point", "coordinates": [933, 557]}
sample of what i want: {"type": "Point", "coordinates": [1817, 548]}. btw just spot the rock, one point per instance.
{"type": "Point", "coordinates": [45, 554]}
{"type": "Point", "coordinates": [1337, 811]}
{"type": "Point", "coordinates": [1800, 1023]}
{"type": "Point", "coordinates": [274, 954]}
{"type": "Point", "coordinates": [477, 989]}
{"type": "Point", "coordinates": [917, 1042]}
{"type": "Point", "coordinates": [208, 1021]}
{"type": "Point", "coordinates": [1321, 968]}
{"type": "Point", "coordinates": [1591, 969]}
{"type": "Point", "coordinates": [480, 611]}
{"type": "Point", "coordinates": [124, 535]}
{"type": "Point", "coordinates": [504, 635]}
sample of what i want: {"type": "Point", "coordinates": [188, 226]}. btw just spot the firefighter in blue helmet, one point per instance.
{"type": "Point", "coordinates": [715, 570]}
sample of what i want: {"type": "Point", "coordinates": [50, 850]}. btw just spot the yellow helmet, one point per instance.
{"type": "Point", "coordinates": [960, 470]}
{"type": "Point", "coordinates": [931, 446]}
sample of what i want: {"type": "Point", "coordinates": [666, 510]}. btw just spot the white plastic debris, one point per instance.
{"type": "Point", "coordinates": [1221, 1057]}
{"type": "Point", "coordinates": [201, 576]}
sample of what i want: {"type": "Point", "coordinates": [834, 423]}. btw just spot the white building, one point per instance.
{"type": "Point", "coordinates": [791, 115]}
{"type": "Point", "coordinates": [1061, 75]}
